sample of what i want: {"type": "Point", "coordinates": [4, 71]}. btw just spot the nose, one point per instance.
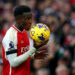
{"type": "Point", "coordinates": [30, 21]}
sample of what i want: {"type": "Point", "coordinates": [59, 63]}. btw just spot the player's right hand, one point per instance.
{"type": "Point", "coordinates": [40, 54]}
{"type": "Point", "coordinates": [38, 45]}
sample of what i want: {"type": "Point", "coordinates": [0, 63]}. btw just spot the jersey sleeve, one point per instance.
{"type": "Point", "coordinates": [10, 43]}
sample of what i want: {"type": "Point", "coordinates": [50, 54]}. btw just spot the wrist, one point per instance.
{"type": "Point", "coordinates": [32, 51]}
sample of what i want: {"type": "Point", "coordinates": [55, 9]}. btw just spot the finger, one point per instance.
{"type": "Point", "coordinates": [44, 54]}
{"type": "Point", "coordinates": [42, 51]}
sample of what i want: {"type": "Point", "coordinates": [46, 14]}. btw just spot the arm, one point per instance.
{"type": "Point", "coordinates": [15, 60]}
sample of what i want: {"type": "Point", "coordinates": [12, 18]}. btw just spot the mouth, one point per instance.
{"type": "Point", "coordinates": [28, 26]}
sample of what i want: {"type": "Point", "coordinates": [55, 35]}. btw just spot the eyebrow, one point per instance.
{"type": "Point", "coordinates": [25, 14]}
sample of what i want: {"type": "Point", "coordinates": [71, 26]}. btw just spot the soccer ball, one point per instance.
{"type": "Point", "coordinates": [40, 32]}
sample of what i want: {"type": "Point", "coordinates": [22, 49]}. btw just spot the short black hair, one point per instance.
{"type": "Point", "coordinates": [19, 10]}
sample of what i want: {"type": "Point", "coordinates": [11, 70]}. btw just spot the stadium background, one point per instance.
{"type": "Point", "coordinates": [59, 15]}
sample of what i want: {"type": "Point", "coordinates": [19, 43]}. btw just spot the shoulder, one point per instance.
{"type": "Point", "coordinates": [10, 35]}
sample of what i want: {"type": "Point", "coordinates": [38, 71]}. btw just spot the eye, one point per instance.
{"type": "Point", "coordinates": [28, 18]}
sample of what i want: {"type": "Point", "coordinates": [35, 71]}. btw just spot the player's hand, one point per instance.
{"type": "Point", "coordinates": [38, 45]}
{"type": "Point", "coordinates": [40, 54]}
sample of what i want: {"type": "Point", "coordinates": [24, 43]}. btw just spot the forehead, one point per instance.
{"type": "Point", "coordinates": [27, 14]}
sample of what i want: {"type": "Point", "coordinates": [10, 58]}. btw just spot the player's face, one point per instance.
{"type": "Point", "coordinates": [27, 21]}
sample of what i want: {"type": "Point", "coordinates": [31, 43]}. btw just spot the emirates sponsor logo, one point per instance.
{"type": "Point", "coordinates": [24, 49]}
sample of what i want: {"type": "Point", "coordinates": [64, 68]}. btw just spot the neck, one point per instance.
{"type": "Point", "coordinates": [19, 27]}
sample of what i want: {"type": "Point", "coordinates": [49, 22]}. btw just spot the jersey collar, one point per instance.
{"type": "Point", "coordinates": [17, 29]}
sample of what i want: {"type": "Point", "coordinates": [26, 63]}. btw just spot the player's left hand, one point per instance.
{"type": "Point", "coordinates": [40, 54]}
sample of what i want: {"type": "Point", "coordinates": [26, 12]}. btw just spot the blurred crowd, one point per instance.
{"type": "Point", "coordinates": [59, 16]}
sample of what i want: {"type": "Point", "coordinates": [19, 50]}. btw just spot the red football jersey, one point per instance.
{"type": "Point", "coordinates": [21, 44]}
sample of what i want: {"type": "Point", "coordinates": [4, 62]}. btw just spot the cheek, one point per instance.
{"type": "Point", "coordinates": [26, 22]}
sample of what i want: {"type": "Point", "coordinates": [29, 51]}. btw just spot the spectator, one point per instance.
{"type": "Point", "coordinates": [62, 70]}
{"type": "Point", "coordinates": [73, 19]}
{"type": "Point", "coordinates": [43, 72]}
{"type": "Point", "coordinates": [73, 68]}
{"type": "Point", "coordinates": [39, 63]}
{"type": "Point", "coordinates": [1, 66]}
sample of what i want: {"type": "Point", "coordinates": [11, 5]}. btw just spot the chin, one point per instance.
{"type": "Point", "coordinates": [27, 29]}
